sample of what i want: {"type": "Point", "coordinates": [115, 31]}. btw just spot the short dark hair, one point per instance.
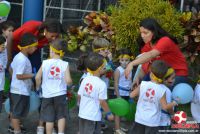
{"type": "Point", "coordinates": [124, 51]}
{"type": "Point", "coordinates": [59, 44]}
{"type": "Point", "coordinates": [5, 25]}
{"type": "Point", "coordinates": [159, 68]}
{"type": "Point", "coordinates": [81, 64]}
{"type": "Point", "coordinates": [2, 39]}
{"type": "Point", "coordinates": [100, 43]}
{"type": "Point", "coordinates": [52, 26]}
{"type": "Point", "coordinates": [94, 61]}
{"type": "Point", "coordinates": [27, 39]}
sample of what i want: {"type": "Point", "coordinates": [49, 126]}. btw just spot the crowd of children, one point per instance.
{"type": "Point", "coordinates": [154, 104]}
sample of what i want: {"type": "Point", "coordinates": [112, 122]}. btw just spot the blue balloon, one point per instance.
{"type": "Point", "coordinates": [34, 102]}
{"type": "Point", "coordinates": [7, 105]}
{"type": "Point", "coordinates": [184, 92]}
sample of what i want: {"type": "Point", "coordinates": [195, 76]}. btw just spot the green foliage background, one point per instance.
{"type": "Point", "coordinates": [125, 20]}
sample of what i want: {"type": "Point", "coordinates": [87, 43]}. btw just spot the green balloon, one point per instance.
{"type": "Point", "coordinates": [7, 85]}
{"type": "Point", "coordinates": [118, 106]}
{"type": "Point", "coordinates": [4, 9]}
{"type": "Point", "coordinates": [130, 116]}
{"type": "Point", "coordinates": [73, 101]}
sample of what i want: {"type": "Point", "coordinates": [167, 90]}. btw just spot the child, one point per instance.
{"type": "Point", "coordinates": [93, 95]}
{"type": "Point", "coordinates": [168, 81]}
{"type": "Point", "coordinates": [101, 46]}
{"type": "Point", "coordinates": [152, 97]}
{"type": "Point", "coordinates": [121, 84]}
{"type": "Point", "coordinates": [55, 76]}
{"type": "Point", "coordinates": [21, 80]}
{"type": "Point", "coordinates": [2, 69]}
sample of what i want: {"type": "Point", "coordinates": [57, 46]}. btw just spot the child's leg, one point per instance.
{"type": "Point", "coordinates": [61, 125]}
{"type": "Point", "coordinates": [1, 100]}
{"type": "Point", "coordinates": [49, 127]}
{"type": "Point", "coordinates": [16, 125]}
{"type": "Point", "coordinates": [117, 122]}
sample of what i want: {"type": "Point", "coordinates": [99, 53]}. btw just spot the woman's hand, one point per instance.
{"type": "Point", "coordinates": [128, 70]}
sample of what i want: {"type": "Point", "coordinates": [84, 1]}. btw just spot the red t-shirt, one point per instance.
{"type": "Point", "coordinates": [170, 53]}
{"type": "Point", "coordinates": [28, 27]}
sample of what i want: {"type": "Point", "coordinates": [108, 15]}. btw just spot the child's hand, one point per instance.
{"type": "Point", "coordinates": [177, 100]}
{"type": "Point", "coordinates": [109, 116]}
{"type": "Point", "coordinates": [109, 55]}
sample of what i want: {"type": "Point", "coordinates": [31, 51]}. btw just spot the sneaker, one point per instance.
{"type": "Point", "coordinates": [104, 126]}
{"type": "Point", "coordinates": [118, 131]}
{"type": "Point", "coordinates": [40, 130]}
{"type": "Point", "coordinates": [124, 129]}
{"type": "Point", "coordinates": [11, 129]}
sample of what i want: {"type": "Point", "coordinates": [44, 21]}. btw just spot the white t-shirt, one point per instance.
{"type": "Point", "coordinates": [53, 78]}
{"type": "Point", "coordinates": [195, 105]}
{"type": "Point", "coordinates": [2, 71]}
{"type": "Point", "coordinates": [21, 65]}
{"type": "Point", "coordinates": [165, 118]}
{"type": "Point", "coordinates": [91, 90]}
{"type": "Point", "coordinates": [124, 85]}
{"type": "Point", "coordinates": [148, 111]}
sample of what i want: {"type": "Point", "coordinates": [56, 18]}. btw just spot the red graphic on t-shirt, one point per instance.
{"type": "Point", "coordinates": [150, 93]}
{"type": "Point", "coordinates": [55, 71]}
{"type": "Point", "coordinates": [88, 88]}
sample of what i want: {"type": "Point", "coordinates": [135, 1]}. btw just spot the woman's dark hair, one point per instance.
{"type": "Point", "coordinates": [27, 39]}
{"type": "Point", "coordinates": [52, 26]}
{"type": "Point", "coordinates": [158, 32]}
{"type": "Point", "coordinates": [94, 61]}
{"type": "Point", "coordinates": [5, 25]}
{"type": "Point", "coordinates": [2, 39]}
{"type": "Point", "coordinates": [81, 65]}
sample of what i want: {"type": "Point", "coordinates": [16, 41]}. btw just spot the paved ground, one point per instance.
{"type": "Point", "coordinates": [71, 128]}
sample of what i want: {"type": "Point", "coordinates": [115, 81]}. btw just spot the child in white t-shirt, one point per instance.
{"type": "Point", "coordinates": [195, 104]}
{"type": "Point", "coordinates": [2, 69]}
{"type": "Point", "coordinates": [152, 97]}
{"type": "Point", "coordinates": [93, 94]}
{"type": "Point", "coordinates": [54, 76]}
{"type": "Point", "coordinates": [121, 84]}
{"type": "Point", "coordinates": [21, 83]}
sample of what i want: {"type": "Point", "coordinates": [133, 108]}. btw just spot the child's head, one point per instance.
{"type": "Point", "coordinates": [169, 78]}
{"type": "Point", "coordinates": [101, 46]}
{"type": "Point", "coordinates": [124, 57]}
{"type": "Point", "coordinates": [95, 63]}
{"type": "Point", "coordinates": [7, 28]}
{"type": "Point", "coordinates": [28, 43]}
{"type": "Point", "coordinates": [158, 71]}
{"type": "Point", "coordinates": [82, 62]}
{"type": "Point", "coordinates": [2, 43]}
{"type": "Point", "coordinates": [57, 48]}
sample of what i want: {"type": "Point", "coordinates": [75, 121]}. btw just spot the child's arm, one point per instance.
{"type": "Point", "coordinates": [24, 76]}
{"type": "Point", "coordinates": [68, 79]}
{"type": "Point", "coordinates": [135, 92]}
{"type": "Point", "coordinates": [38, 78]}
{"type": "Point", "coordinates": [116, 81]}
{"type": "Point", "coordinates": [105, 107]}
{"type": "Point", "coordinates": [167, 106]}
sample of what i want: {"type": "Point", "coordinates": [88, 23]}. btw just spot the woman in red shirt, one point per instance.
{"type": "Point", "coordinates": [157, 44]}
{"type": "Point", "coordinates": [45, 32]}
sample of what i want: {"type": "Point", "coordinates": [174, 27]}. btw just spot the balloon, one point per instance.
{"type": "Point", "coordinates": [184, 92]}
{"type": "Point", "coordinates": [7, 105]}
{"type": "Point", "coordinates": [130, 116]}
{"type": "Point", "coordinates": [6, 85]}
{"type": "Point", "coordinates": [34, 102]}
{"type": "Point", "coordinates": [4, 9]}
{"type": "Point", "coordinates": [71, 99]}
{"type": "Point", "coordinates": [118, 106]}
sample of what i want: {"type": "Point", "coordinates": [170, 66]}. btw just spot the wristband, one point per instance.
{"type": "Point", "coordinates": [108, 114]}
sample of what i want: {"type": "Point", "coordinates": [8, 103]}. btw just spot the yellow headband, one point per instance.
{"type": "Point", "coordinates": [60, 52]}
{"type": "Point", "coordinates": [159, 80]}
{"type": "Point", "coordinates": [99, 49]}
{"type": "Point", "coordinates": [31, 45]}
{"type": "Point", "coordinates": [126, 56]}
{"type": "Point", "coordinates": [93, 72]}
{"type": "Point", "coordinates": [169, 72]}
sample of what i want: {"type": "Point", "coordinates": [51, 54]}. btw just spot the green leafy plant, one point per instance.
{"type": "Point", "coordinates": [126, 17]}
